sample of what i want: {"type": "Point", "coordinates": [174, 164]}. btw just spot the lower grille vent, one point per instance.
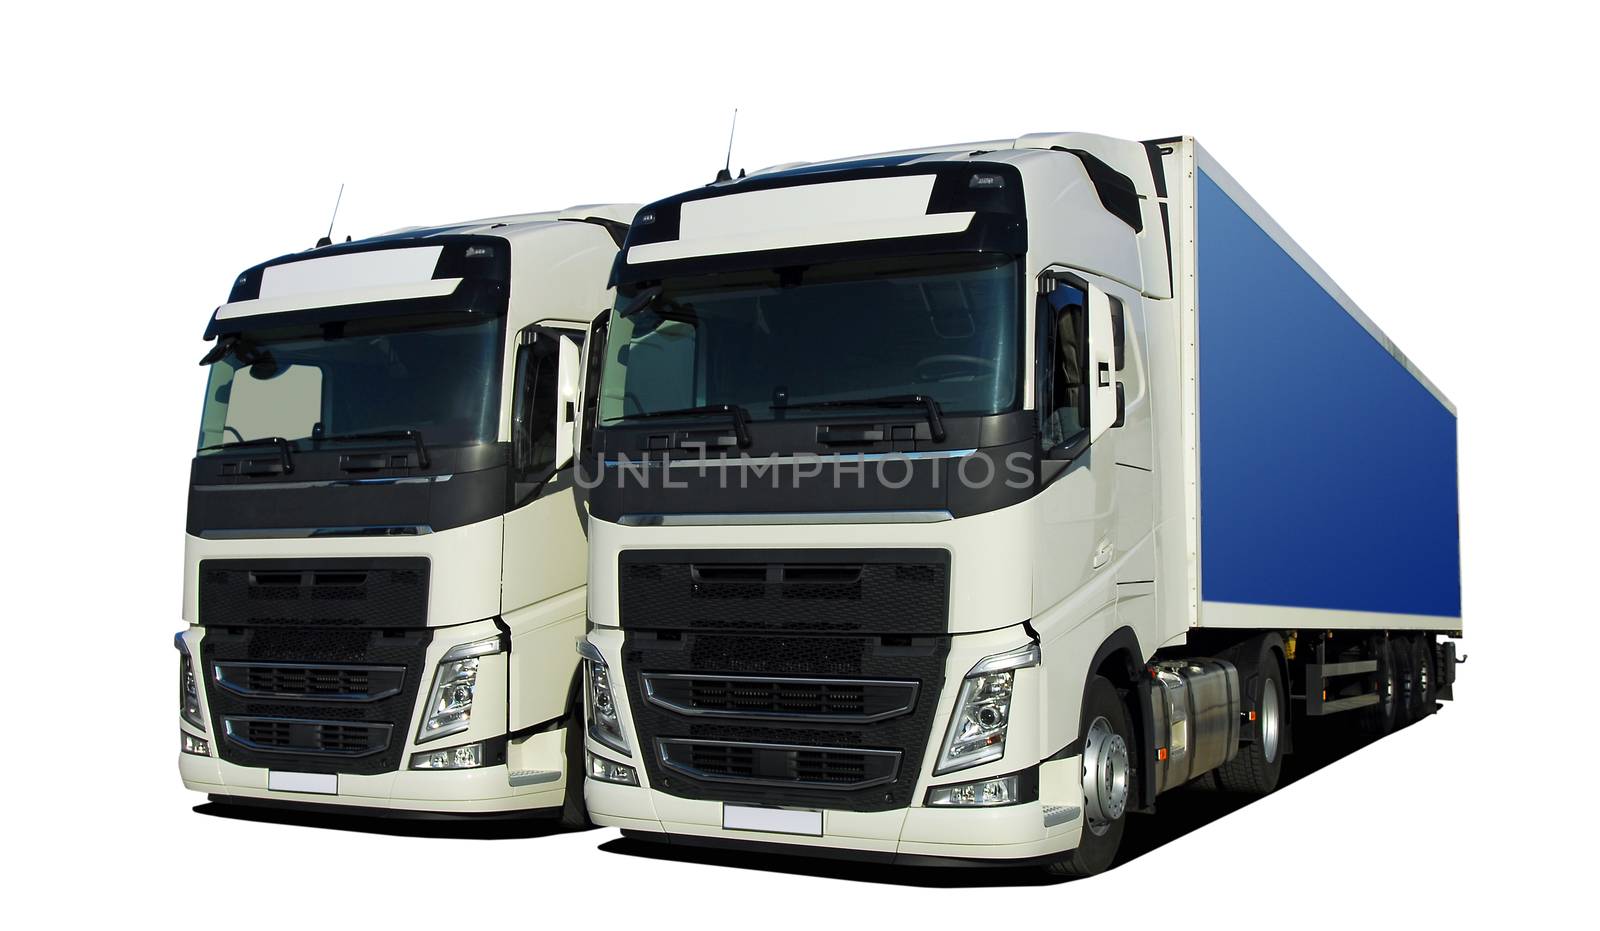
{"type": "Point", "coordinates": [829, 768]}
{"type": "Point", "coordinates": [290, 735]}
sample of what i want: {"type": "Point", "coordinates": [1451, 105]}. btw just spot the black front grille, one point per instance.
{"type": "Point", "coordinates": [775, 680]}
{"type": "Point", "coordinates": [356, 683]}
{"type": "Point", "coordinates": [310, 680]}
{"type": "Point", "coordinates": [299, 737]}
{"type": "Point", "coordinates": [387, 592]}
{"type": "Point", "coordinates": [828, 769]}
{"type": "Point", "coordinates": [844, 700]}
{"type": "Point", "coordinates": [820, 776]}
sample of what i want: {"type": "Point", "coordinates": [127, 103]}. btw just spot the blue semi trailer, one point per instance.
{"type": "Point", "coordinates": [949, 505]}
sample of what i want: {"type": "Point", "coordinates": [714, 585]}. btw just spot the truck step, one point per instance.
{"type": "Point", "coordinates": [1348, 704]}
{"type": "Point", "coordinates": [1329, 670]}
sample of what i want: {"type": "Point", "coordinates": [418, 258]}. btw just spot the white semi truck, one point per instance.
{"type": "Point", "coordinates": [385, 560]}
{"type": "Point", "coordinates": [952, 504]}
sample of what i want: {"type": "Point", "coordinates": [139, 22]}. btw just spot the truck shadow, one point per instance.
{"type": "Point", "coordinates": [520, 828]}
{"type": "Point", "coordinates": [1180, 812]}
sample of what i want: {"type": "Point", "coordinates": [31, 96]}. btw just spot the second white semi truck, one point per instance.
{"type": "Point", "coordinates": [385, 561]}
{"type": "Point", "coordinates": [952, 504]}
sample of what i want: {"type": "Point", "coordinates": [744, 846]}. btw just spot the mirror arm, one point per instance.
{"type": "Point", "coordinates": [1067, 452]}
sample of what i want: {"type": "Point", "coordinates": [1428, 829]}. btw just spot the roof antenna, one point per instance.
{"type": "Point", "coordinates": [328, 239]}
{"type": "Point", "coordinates": [725, 174]}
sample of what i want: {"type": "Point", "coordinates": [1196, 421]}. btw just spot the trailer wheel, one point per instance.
{"type": "Point", "coordinates": [1378, 720]}
{"type": "Point", "coordinates": [1254, 770]}
{"type": "Point", "coordinates": [574, 811]}
{"type": "Point", "coordinates": [1422, 679]}
{"type": "Point", "coordinates": [1109, 749]}
{"type": "Point", "coordinates": [1405, 679]}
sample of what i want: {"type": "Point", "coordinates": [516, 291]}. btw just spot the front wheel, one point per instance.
{"type": "Point", "coordinates": [1108, 754]}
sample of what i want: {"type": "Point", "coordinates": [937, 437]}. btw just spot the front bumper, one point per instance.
{"type": "Point", "coordinates": [1014, 833]}
{"type": "Point", "coordinates": [466, 791]}
{"type": "Point", "coordinates": [1002, 835]}
{"type": "Point", "coordinates": [533, 776]}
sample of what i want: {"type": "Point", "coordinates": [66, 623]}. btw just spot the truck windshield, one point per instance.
{"type": "Point", "coordinates": [439, 377]}
{"type": "Point", "coordinates": [942, 327]}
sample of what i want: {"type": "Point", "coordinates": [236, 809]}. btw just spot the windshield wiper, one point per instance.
{"type": "Point", "coordinates": [415, 436]}
{"type": "Point", "coordinates": [278, 441]}
{"type": "Point", "coordinates": [740, 416]}
{"type": "Point", "coordinates": [929, 406]}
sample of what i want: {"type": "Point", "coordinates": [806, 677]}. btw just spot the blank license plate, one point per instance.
{"type": "Point", "coordinates": [320, 783]}
{"type": "Point", "coordinates": [772, 820]}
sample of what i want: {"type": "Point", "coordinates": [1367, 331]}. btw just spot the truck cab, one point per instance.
{"type": "Point", "coordinates": [384, 565]}
{"type": "Point", "coordinates": [896, 545]}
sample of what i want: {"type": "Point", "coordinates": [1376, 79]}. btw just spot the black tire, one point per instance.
{"type": "Point", "coordinates": [1423, 677]}
{"type": "Point", "coordinates": [574, 811]}
{"type": "Point", "coordinates": [1379, 719]}
{"type": "Point", "coordinates": [1255, 769]}
{"type": "Point", "coordinates": [1097, 848]}
{"type": "Point", "coordinates": [1405, 679]}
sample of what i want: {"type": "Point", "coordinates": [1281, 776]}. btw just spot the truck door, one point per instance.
{"type": "Point", "coordinates": [544, 538]}
{"type": "Point", "coordinates": [1083, 532]}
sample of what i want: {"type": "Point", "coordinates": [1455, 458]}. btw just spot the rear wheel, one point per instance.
{"type": "Point", "coordinates": [1405, 677]}
{"type": "Point", "coordinates": [1422, 678]}
{"type": "Point", "coordinates": [1379, 719]}
{"type": "Point", "coordinates": [1254, 770]}
{"type": "Point", "coordinates": [574, 812]}
{"type": "Point", "coordinates": [1108, 753]}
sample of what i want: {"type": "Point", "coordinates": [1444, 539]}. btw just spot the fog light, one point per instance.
{"type": "Point", "coordinates": [985, 793]}
{"type": "Point", "coordinates": [604, 770]}
{"type": "Point", "coordinates": [198, 746]}
{"type": "Point", "coordinates": [468, 756]}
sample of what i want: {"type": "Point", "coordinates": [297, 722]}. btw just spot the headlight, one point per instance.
{"type": "Point", "coordinates": [450, 702]}
{"type": "Point", "coordinates": [189, 743]}
{"type": "Point", "coordinates": [977, 732]}
{"type": "Point", "coordinates": [600, 704]}
{"type": "Point", "coordinates": [188, 686]}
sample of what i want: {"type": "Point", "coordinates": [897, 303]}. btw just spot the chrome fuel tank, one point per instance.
{"type": "Point", "coordinates": [1195, 707]}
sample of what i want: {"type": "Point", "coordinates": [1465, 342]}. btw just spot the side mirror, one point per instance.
{"type": "Point", "coordinates": [545, 405]}
{"type": "Point", "coordinates": [1105, 410]}
{"type": "Point", "coordinates": [569, 362]}
{"type": "Point", "coordinates": [532, 348]}
{"type": "Point", "coordinates": [589, 387]}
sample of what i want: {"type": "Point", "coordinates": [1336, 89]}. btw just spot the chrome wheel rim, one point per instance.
{"type": "Point", "coordinates": [1105, 775]}
{"type": "Point", "coordinates": [1271, 720]}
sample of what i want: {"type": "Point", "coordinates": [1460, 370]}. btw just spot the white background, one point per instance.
{"type": "Point", "coordinates": [1436, 159]}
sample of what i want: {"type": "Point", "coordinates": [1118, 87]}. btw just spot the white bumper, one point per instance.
{"type": "Point", "coordinates": [1014, 832]}
{"type": "Point", "coordinates": [533, 776]}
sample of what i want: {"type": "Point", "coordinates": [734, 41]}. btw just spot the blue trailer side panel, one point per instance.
{"type": "Point", "coordinates": [1327, 471]}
